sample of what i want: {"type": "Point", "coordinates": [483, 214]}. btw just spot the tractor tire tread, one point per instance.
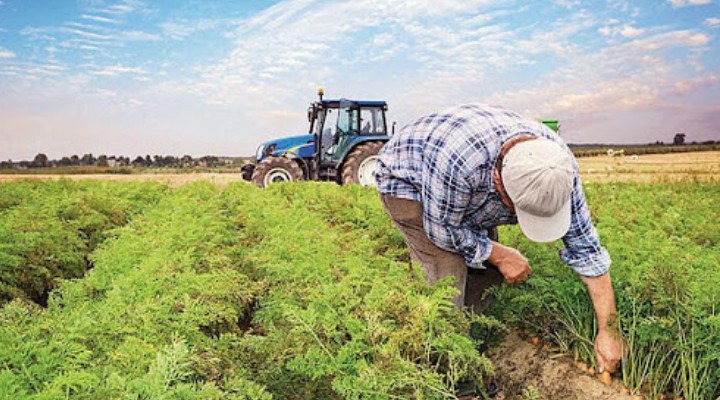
{"type": "Point", "coordinates": [355, 158]}
{"type": "Point", "coordinates": [265, 166]}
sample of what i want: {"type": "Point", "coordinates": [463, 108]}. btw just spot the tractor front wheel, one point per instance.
{"type": "Point", "coordinates": [247, 171]}
{"type": "Point", "coordinates": [360, 164]}
{"type": "Point", "coordinates": [276, 169]}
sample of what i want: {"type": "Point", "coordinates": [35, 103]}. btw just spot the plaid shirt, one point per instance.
{"type": "Point", "coordinates": [446, 161]}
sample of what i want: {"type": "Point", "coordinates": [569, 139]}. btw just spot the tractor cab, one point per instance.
{"type": "Point", "coordinates": [341, 145]}
{"type": "Point", "coordinates": [341, 124]}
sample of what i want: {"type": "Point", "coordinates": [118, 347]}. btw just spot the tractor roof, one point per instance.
{"type": "Point", "coordinates": [361, 103]}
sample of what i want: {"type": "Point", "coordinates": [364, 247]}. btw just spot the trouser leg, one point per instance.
{"type": "Point", "coordinates": [436, 262]}
{"type": "Point", "coordinates": [478, 281]}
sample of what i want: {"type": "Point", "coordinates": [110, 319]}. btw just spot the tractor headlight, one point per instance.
{"type": "Point", "coordinates": [259, 152]}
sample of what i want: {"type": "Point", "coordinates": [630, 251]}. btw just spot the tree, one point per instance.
{"type": "Point", "coordinates": [139, 162]}
{"type": "Point", "coordinates": [210, 161]}
{"type": "Point", "coordinates": [40, 161]}
{"type": "Point", "coordinates": [87, 159]}
{"type": "Point", "coordinates": [679, 139]}
{"type": "Point", "coordinates": [171, 161]}
{"type": "Point", "coordinates": [102, 161]}
{"type": "Point", "coordinates": [75, 160]}
{"type": "Point", "coordinates": [65, 162]}
{"type": "Point", "coordinates": [186, 161]}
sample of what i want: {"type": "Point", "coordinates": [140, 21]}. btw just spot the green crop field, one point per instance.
{"type": "Point", "coordinates": [138, 290]}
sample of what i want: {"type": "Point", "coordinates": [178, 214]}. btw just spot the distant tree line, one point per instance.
{"type": "Point", "coordinates": [88, 160]}
{"type": "Point", "coordinates": [677, 140]}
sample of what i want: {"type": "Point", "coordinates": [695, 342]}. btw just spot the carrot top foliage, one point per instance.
{"type": "Point", "coordinates": [48, 229]}
{"type": "Point", "coordinates": [305, 291]}
{"type": "Point", "coordinates": [665, 247]}
{"type": "Point", "coordinates": [248, 294]}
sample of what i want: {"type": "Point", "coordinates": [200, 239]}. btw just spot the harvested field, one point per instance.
{"type": "Point", "coordinates": [702, 166]}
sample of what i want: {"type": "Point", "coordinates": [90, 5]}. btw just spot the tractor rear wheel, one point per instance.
{"type": "Point", "coordinates": [360, 164]}
{"type": "Point", "coordinates": [276, 169]}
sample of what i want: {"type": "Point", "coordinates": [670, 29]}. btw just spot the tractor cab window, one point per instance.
{"type": "Point", "coordinates": [347, 119]}
{"type": "Point", "coordinates": [328, 126]}
{"type": "Point", "coordinates": [372, 121]}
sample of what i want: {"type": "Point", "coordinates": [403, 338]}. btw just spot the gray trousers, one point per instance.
{"type": "Point", "coordinates": [436, 262]}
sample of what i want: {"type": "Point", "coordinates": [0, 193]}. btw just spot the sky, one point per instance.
{"type": "Point", "coordinates": [219, 77]}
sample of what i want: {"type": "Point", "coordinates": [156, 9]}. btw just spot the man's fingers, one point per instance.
{"type": "Point", "coordinates": [604, 364]}
{"type": "Point", "coordinates": [601, 363]}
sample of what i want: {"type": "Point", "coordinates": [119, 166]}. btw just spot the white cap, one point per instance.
{"type": "Point", "coordinates": [538, 177]}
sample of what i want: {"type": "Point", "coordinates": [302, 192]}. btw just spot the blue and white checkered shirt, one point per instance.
{"type": "Point", "coordinates": [446, 161]}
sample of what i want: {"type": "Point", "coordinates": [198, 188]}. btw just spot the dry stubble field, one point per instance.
{"type": "Point", "coordinates": [702, 166]}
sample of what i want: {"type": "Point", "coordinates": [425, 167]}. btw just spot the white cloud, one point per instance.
{"type": "Point", "coordinates": [713, 21]}
{"type": "Point", "coordinates": [613, 29]}
{"type": "Point", "coordinates": [683, 38]}
{"type": "Point", "coordinates": [87, 26]}
{"type": "Point", "coordinates": [630, 32]}
{"type": "Point", "coordinates": [683, 3]}
{"type": "Point", "coordinates": [690, 85]}
{"type": "Point", "coordinates": [5, 53]}
{"type": "Point", "coordinates": [569, 4]}
{"type": "Point", "coordinates": [117, 70]}
{"type": "Point", "coordinates": [303, 38]}
{"type": "Point", "coordinates": [87, 34]}
{"type": "Point", "coordinates": [182, 29]}
{"type": "Point", "coordinates": [106, 93]}
{"type": "Point", "coordinates": [139, 36]}
{"type": "Point", "coordinates": [121, 8]}
{"type": "Point", "coordinates": [98, 18]}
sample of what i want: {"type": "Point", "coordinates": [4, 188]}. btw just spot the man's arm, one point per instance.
{"type": "Point", "coordinates": [446, 195]}
{"type": "Point", "coordinates": [591, 261]}
{"type": "Point", "coordinates": [445, 200]}
{"type": "Point", "coordinates": [608, 344]}
{"type": "Point", "coordinates": [511, 263]}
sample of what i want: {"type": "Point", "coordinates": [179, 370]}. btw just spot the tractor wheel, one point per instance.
{"type": "Point", "coordinates": [276, 169]}
{"type": "Point", "coordinates": [247, 171]}
{"type": "Point", "coordinates": [360, 164]}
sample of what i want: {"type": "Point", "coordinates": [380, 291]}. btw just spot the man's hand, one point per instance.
{"type": "Point", "coordinates": [511, 263]}
{"type": "Point", "coordinates": [609, 349]}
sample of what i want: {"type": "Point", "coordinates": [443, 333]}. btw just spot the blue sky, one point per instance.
{"type": "Point", "coordinates": [218, 77]}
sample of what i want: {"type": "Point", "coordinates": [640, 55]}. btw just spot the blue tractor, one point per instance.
{"type": "Point", "coordinates": [341, 146]}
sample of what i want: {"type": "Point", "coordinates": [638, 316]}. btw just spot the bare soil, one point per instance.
{"type": "Point", "coordinates": [522, 368]}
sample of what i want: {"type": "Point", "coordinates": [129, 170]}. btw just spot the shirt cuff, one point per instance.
{"type": "Point", "coordinates": [482, 253]}
{"type": "Point", "coordinates": [591, 266]}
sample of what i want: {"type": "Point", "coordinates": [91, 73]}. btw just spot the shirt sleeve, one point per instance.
{"type": "Point", "coordinates": [583, 251]}
{"type": "Point", "coordinates": [445, 198]}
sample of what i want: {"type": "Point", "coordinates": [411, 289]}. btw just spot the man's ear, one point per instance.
{"type": "Point", "coordinates": [496, 178]}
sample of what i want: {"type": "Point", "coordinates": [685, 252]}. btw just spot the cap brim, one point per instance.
{"type": "Point", "coordinates": [545, 229]}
